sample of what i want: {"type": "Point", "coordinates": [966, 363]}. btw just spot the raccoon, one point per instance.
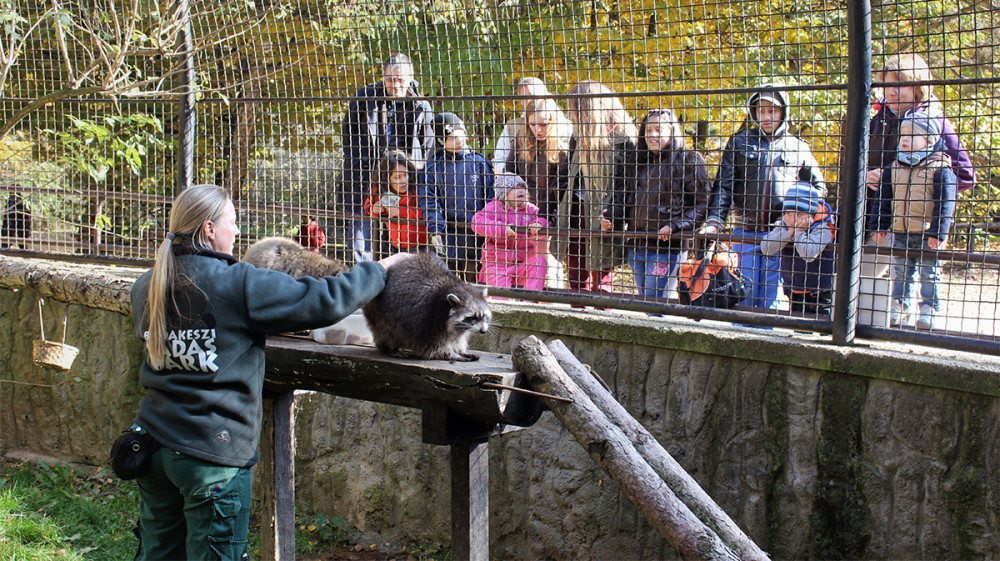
{"type": "Point", "coordinates": [287, 256]}
{"type": "Point", "coordinates": [425, 311]}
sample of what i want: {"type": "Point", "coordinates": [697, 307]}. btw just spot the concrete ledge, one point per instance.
{"type": "Point", "coordinates": [108, 288]}
{"type": "Point", "coordinates": [926, 366]}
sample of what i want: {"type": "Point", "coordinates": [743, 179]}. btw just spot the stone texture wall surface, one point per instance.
{"type": "Point", "coordinates": [817, 452]}
{"type": "Point", "coordinates": [76, 414]}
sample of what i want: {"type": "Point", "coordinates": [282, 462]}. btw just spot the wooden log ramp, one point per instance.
{"type": "Point", "coordinates": [668, 497]}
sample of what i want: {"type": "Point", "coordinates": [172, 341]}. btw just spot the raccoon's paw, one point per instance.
{"type": "Point", "coordinates": [467, 357]}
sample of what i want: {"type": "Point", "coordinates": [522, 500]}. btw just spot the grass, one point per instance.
{"type": "Point", "coordinates": [56, 512]}
{"type": "Point", "coordinates": [51, 511]}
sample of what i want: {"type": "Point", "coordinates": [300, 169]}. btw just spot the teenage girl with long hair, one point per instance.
{"type": "Point", "coordinates": [666, 192]}
{"type": "Point", "coordinates": [540, 154]}
{"type": "Point", "coordinates": [603, 136]}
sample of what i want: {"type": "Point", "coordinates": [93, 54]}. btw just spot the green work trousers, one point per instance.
{"type": "Point", "coordinates": [192, 509]}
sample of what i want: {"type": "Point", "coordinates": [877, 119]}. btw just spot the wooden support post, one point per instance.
{"type": "Point", "coordinates": [470, 501]}
{"type": "Point", "coordinates": [277, 466]}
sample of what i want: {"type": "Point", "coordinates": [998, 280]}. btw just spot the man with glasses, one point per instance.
{"type": "Point", "coordinates": [383, 116]}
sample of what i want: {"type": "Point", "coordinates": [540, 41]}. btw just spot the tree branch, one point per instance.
{"type": "Point", "coordinates": [42, 102]}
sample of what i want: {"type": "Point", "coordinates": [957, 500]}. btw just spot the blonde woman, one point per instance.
{"type": "Point", "coordinates": [898, 101]}
{"type": "Point", "coordinates": [603, 136]}
{"type": "Point", "coordinates": [525, 86]}
{"type": "Point", "coordinates": [203, 316]}
{"type": "Point", "coordinates": [540, 154]}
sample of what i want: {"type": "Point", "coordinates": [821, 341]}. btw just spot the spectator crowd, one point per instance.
{"type": "Point", "coordinates": [568, 196]}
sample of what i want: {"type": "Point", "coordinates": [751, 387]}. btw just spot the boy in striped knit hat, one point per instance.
{"type": "Point", "coordinates": [804, 237]}
{"type": "Point", "coordinates": [915, 204]}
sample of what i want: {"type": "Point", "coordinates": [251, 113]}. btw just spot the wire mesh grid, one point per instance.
{"type": "Point", "coordinates": [651, 137]}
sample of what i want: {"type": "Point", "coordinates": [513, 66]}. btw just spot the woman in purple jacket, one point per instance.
{"type": "Point", "coordinates": [883, 134]}
{"type": "Point", "coordinates": [883, 130]}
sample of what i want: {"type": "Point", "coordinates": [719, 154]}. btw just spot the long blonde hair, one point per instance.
{"type": "Point", "coordinates": [598, 117]}
{"type": "Point", "coordinates": [191, 209]}
{"type": "Point", "coordinates": [557, 134]}
{"type": "Point", "coordinates": [532, 84]}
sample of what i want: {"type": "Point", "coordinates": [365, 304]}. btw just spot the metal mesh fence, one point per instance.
{"type": "Point", "coordinates": [657, 145]}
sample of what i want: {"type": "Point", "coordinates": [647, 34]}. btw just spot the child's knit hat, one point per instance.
{"type": "Point", "coordinates": [924, 123]}
{"type": "Point", "coordinates": [802, 197]}
{"type": "Point", "coordinates": [444, 124]}
{"type": "Point", "coordinates": [921, 122]}
{"type": "Point", "coordinates": [505, 182]}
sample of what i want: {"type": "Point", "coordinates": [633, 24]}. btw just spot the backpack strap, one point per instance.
{"type": "Point", "coordinates": [705, 260]}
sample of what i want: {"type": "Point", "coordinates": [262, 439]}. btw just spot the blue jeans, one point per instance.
{"type": "Point", "coordinates": [653, 271]}
{"type": "Point", "coordinates": [359, 240]}
{"type": "Point", "coordinates": [193, 509]}
{"type": "Point", "coordinates": [905, 268]}
{"type": "Point", "coordinates": [761, 271]}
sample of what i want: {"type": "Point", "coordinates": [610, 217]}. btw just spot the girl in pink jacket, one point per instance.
{"type": "Point", "coordinates": [514, 255]}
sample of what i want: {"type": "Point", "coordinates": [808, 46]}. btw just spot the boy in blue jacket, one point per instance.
{"type": "Point", "coordinates": [456, 184]}
{"type": "Point", "coordinates": [916, 205]}
{"type": "Point", "coordinates": [804, 237]}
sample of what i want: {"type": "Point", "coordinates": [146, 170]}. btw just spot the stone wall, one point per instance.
{"type": "Point", "coordinates": [817, 451]}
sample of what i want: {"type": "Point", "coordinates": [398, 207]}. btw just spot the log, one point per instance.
{"type": "Point", "coordinates": [679, 481]}
{"type": "Point", "coordinates": [611, 449]}
{"type": "Point", "coordinates": [94, 286]}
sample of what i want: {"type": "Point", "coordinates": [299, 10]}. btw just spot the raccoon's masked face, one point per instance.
{"type": "Point", "coordinates": [469, 313]}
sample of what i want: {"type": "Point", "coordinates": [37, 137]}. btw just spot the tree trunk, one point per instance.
{"type": "Point", "coordinates": [679, 481]}
{"type": "Point", "coordinates": [609, 447]}
{"type": "Point", "coordinates": [241, 129]}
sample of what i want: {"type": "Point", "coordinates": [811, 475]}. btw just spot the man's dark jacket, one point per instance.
{"type": "Point", "coordinates": [365, 139]}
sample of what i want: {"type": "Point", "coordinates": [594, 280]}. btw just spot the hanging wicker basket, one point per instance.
{"type": "Point", "coordinates": [49, 353]}
{"type": "Point", "coordinates": [53, 355]}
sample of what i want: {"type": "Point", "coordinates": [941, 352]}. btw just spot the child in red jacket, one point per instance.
{"type": "Point", "coordinates": [311, 235]}
{"type": "Point", "coordinates": [394, 196]}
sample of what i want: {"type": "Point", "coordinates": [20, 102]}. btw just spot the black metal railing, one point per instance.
{"type": "Point", "coordinates": [257, 99]}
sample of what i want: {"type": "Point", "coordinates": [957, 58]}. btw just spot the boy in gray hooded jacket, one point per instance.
{"type": "Point", "coordinates": [759, 164]}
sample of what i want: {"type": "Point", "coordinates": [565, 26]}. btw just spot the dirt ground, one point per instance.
{"type": "Point", "coordinates": [351, 555]}
{"type": "Point", "coordinates": [969, 298]}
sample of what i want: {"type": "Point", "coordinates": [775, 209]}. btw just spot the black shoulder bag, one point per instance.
{"type": "Point", "coordinates": [725, 289]}
{"type": "Point", "coordinates": [132, 453]}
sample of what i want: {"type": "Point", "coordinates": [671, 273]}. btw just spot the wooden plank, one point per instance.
{"type": "Point", "coordinates": [265, 468]}
{"type": "Point", "coordinates": [470, 501]}
{"type": "Point", "coordinates": [365, 373]}
{"type": "Point", "coordinates": [277, 476]}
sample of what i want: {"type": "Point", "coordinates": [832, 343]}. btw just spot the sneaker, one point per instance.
{"type": "Point", "coordinates": [898, 316]}
{"type": "Point", "coordinates": [926, 319]}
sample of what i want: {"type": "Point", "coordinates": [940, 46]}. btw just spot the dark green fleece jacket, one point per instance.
{"type": "Point", "coordinates": [206, 402]}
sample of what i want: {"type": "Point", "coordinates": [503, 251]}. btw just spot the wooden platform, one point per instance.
{"type": "Point", "coordinates": [457, 409]}
{"type": "Point", "coordinates": [365, 373]}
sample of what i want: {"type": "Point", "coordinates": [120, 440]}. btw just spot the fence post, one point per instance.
{"type": "Point", "coordinates": [187, 116]}
{"type": "Point", "coordinates": [852, 196]}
